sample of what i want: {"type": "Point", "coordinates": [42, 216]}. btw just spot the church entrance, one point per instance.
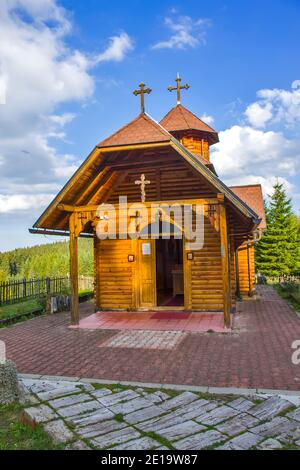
{"type": "Point", "coordinates": [169, 272]}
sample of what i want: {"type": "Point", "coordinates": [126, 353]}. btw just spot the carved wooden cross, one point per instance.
{"type": "Point", "coordinates": [143, 183]}
{"type": "Point", "coordinates": [178, 88]}
{"type": "Point", "coordinates": [142, 92]}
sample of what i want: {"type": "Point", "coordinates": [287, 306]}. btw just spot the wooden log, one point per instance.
{"type": "Point", "coordinates": [74, 269]}
{"type": "Point", "coordinates": [225, 261]}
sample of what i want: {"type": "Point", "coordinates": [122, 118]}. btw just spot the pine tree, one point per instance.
{"type": "Point", "coordinates": [278, 251]}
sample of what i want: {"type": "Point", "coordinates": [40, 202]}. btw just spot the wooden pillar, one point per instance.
{"type": "Point", "coordinates": [73, 227]}
{"type": "Point", "coordinates": [237, 269]}
{"type": "Point", "coordinates": [225, 261]}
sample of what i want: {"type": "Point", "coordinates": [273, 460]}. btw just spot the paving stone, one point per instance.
{"type": "Point", "coordinates": [102, 414]}
{"type": "Point", "coordinates": [290, 436]}
{"type": "Point", "coordinates": [116, 437]}
{"type": "Point", "coordinates": [217, 415]}
{"type": "Point", "coordinates": [243, 442]}
{"type": "Point", "coordinates": [241, 404]}
{"type": "Point", "coordinates": [100, 428]}
{"type": "Point", "coordinates": [269, 408]}
{"type": "Point", "coordinates": [144, 443]}
{"type": "Point", "coordinates": [101, 392]}
{"type": "Point", "coordinates": [275, 427]}
{"type": "Point", "coordinates": [157, 397]}
{"type": "Point", "coordinates": [182, 399]}
{"type": "Point", "coordinates": [115, 398]}
{"type": "Point", "coordinates": [79, 408]}
{"type": "Point", "coordinates": [161, 422]}
{"type": "Point", "coordinates": [196, 409]}
{"type": "Point", "coordinates": [270, 444]}
{"type": "Point", "coordinates": [179, 431]}
{"type": "Point", "coordinates": [38, 386]}
{"type": "Point", "coordinates": [130, 406]}
{"type": "Point", "coordinates": [199, 441]}
{"type": "Point", "coordinates": [298, 443]}
{"type": "Point", "coordinates": [238, 424]}
{"type": "Point", "coordinates": [38, 414]}
{"type": "Point", "coordinates": [294, 414]}
{"type": "Point", "coordinates": [59, 431]}
{"type": "Point", "coordinates": [144, 414]}
{"type": "Point", "coordinates": [78, 445]}
{"type": "Point", "coordinates": [57, 392]}
{"type": "Point", "coordinates": [69, 400]}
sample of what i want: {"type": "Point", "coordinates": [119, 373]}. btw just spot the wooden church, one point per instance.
{"type": "Point", "coordinates": [166, 162]}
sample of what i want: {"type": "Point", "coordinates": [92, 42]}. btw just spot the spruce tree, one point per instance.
{"type": "Point", "coordinates": [278, 250]}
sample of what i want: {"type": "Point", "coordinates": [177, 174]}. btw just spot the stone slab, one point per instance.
{"type": "Point", "coordinates": [114, 398]}
{"type": "Point", "coordinates": [102, 414]}
{"type": "Point", "coordinates": [270, 408]}
{"type": "Point", "coordinates": [241, 404]}
{"type": "Point", "coordinates": [59, 431]}
{"type": "Point", "coordinates": [144, 443]}
{"type": "Point", "coordinates": [56, 393]}
{"type": "Point", "coordinates": [69, 400]}
{"type": "Point", "coordinates": [116, 437]}
{"type": "Point", "coordinates": [144, 414]}
{"type": "Point", "coordinates": [181, 430]}
{"type": "Point", "coordinates": [217, 415]}
{"type": "Point", "coordinates": [196, 409]}
{"type": "Point", "coordinates": [100, 428]}
{"type": "Point", "coordinates": [270, 444]}
{"type": "Point", "coordinates": [294, 414]}
{"type": "Point", "coordinates": [130, 406]}
{"type": "Point", "coordinates": [240, 423]}
{"type": "Point", "coordinates": [161, 422]}
{"type": "Point", "coordinates": [79, 408]}
{"type": "Point", "coordinates": [101, 392]}
{"type": "Point", "coordinates": [38, 414]}
{"type": "Point", "coordinates": [180, 400]}
{"type": "Point", "coordinates": [156, 397]}
{"type": "Point", "coordinates": [243, 442]}
{"type": "Point", "coordinates": [78, 445]}
{"type": "Point", "coordinates": [199, 441]}
{"type": "Point", "coordinates": [275, 427]}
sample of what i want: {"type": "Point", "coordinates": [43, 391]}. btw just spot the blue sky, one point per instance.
{"type": "Point", "coordinates": [68, 69]}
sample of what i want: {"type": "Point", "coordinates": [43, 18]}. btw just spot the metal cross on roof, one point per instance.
{"type": "Point", "coordinates": [143, 183]}
{"type": "Point", "coordinates": [178, 87]}
{"type": "Point", "coordinates": [142, 92]}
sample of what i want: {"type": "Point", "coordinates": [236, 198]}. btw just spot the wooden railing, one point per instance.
{"type": "Point", "coordinates": [290, 279]}
{"type": "Point", "coordinates": [21, 289]}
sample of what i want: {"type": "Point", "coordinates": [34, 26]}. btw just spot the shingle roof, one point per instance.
{"type": "Point", "coordinates": [141, 130]}
{"type": "Point", "coordinates": [252, 196]}
{"type": "Point", "coordinates": [180, 119]}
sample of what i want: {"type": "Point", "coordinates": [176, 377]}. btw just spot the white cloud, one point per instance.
{"type": "Point", "coordinates": [207, 119]}
{"type": "Point", "coordinates": [276, 106]}
{"type": "Point", "coordinates": [186, 32]}
{"type": "Point", "coordinates": [117, 49]}
{"type": "Point", "coordinates": [246, 155]}
{"type": "Point", "coordinates": [40, 73]}
{"type": "Point", "coordinates": [258, 115]}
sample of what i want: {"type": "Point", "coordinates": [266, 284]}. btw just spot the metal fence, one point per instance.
{"type": "Point", "coordinates": [17, 290]}
{"type": "Point", "coordinates": [289, 279]}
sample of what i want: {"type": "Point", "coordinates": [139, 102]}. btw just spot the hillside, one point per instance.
{"type": "Point", "coordinates": [45, 260]}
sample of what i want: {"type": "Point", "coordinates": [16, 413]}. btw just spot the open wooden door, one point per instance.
{"type": "Point", "coordinates": [147, 273]}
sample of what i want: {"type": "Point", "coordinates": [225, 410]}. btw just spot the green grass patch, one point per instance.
{"type": "Point", "coordinates": [12, 310]}
{"type": "Point", "coordinates": [119, 417]}
{"type": "Point", "coordinates": [16, 436]}
{"type": "Point", "coordinates": [290, 293]}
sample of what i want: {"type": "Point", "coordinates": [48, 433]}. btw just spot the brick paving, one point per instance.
{"type": "Point", "coordinates": [96, 416]}
{"type": "Point", "coordinates": [256, 355]}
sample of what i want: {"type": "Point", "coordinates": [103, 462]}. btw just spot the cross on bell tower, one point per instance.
{"type": "Point", "coordinates": [178, 87]}
{"type": "Point", "coordinates": [142, 92]}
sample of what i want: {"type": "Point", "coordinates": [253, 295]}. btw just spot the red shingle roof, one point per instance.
{"type": "Point", "coordinates": [252, 196]}
{"type": "Point", "coordinates": [181, 119]}
{"type": "Point", "coordinates": [141, 130]}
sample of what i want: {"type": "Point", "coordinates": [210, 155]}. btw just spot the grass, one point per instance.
{"type": "Point", "coordinates": [11, 310]}
{"type": "Point", "coordinates": [290, 293]}
{"type": "Point", "coordinates": [16, 436]}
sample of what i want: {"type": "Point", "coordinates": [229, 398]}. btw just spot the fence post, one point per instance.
{"type": "Point", "coordinates": [48, 296]}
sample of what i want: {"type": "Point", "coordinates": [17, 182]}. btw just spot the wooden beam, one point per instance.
{"type": "Point", "coordinates": [73, 227]}
{"type": "Point", "coordinates": [133, 146]}
{"type": "Point", "coordinates": [225, 261]}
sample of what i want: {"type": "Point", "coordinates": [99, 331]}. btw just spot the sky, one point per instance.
{"type": "Point", "coordinates": [68, 69]}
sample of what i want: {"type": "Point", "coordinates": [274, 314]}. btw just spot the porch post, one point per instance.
{"type": "Point", "coordinates": [225, 260]}
{"type": "Point", "coordinates": [74, 269]}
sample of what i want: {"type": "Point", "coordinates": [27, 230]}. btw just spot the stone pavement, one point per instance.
{"type": "Point", "coordinates": [84, 415]}
{"type": "Point", "coordinates": [256, 355]}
